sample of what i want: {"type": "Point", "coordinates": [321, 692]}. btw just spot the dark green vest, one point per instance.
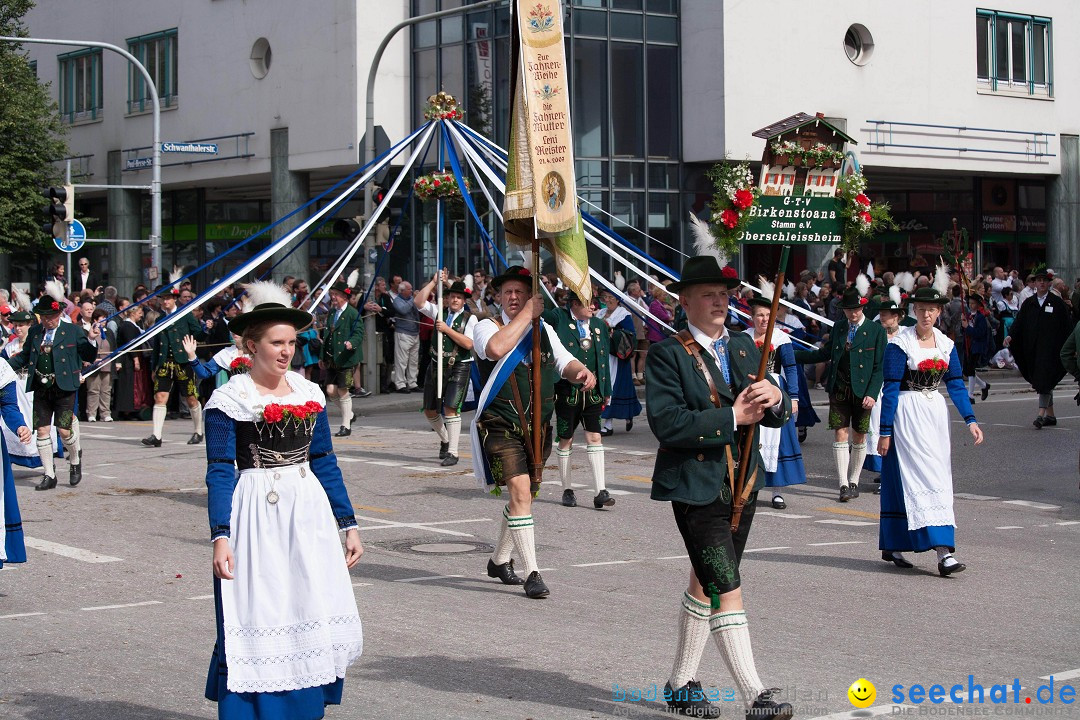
{"type": "Point", "coordinates": [502, 407]}
{"type": "Point", "coordinates": [43, 378]}
{"type": "Point", "coordinates": [594, 357]}
{"type": "Point", "coordinates": [452, 352]}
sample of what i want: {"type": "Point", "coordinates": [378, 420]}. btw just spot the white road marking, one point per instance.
{"type": "Point", "coordinates": [972, 496]}
{"type": "Point", "coordinates": [367, 584]}
{"type": "Point", "coordinates": [107, 477]}
{"type": "Point", "coordinates": [789, 516]}
{"type": "Point", "coordinates": [429, 577]}
{"type": "Point", "coordinates": [104, 464]}
{"type": "Point", "coordinates": [674, 557]}
{"type": "Point", "coordinates": [385, 524]}
{"type": "Point", "coordinates": [1033, 504]}
{"type": "Point", "coordinates": [1066, 675]}
{"type": "Point", "coordinates": [19, 615]}
{"type": "Point", "coordinates": [842, 542]}
{"type": "Point", "coordinates": [852, 523]}
{"type": "Point", "coordinates": [1009, 527]}
{"type": "Point", "coordinates": [1068, 522]}
{"type": "Point", "coordinates": [202, 597]}
{"type": "Point", "coordinates": [778, 547]}
{"type": "Point", "coordinates": [125, 605]}
{"type": "Point", "coordinates": [69, 552]}
{"type": "Point", "coordinates": [635, 452]}
{"type": "Point", "coordinates": [610, 490]}
{"type": "Point", "coordinates": [386, 463]}
{"type": "Point", "coordinates": [609, 562]}
{"type": "Point", "coordinates": [107, 437]}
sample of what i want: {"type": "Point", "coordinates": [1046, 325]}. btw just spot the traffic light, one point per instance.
{"type": "Point", "coordinates": [60, 211]}
{"type": "Point", "coordinates": [348, 228]}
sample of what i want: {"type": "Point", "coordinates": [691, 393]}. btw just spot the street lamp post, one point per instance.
{"type": "Point", "coordinates": [155, 181]}
{"type": "Point", "coordinates": [372, 369]}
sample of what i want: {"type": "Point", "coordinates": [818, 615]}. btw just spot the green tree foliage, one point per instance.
{"type": "Point", "coordinates": [31, 138]}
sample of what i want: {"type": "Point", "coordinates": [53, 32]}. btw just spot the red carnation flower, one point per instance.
{"type": "Point", "coordinates": [437, 183]}
{"type": "Point", "coordinates": [273, 413]}
{"type": "Point", "coordinates": [865, 217]}
{"type": "Point", "coordinates": [729, 272]}
{"type": "Point", "coordinates": [743, 199]}
{"type": "Point", "coordinates": [524, 271]}
{"type": "Point", "coordinates": [242, 361]}
{"type": "Point", "coordinates": [862, 200]}
{"type": "Point", "coordinates": [863, 301]}
{"type": "Point", "coordinates": [313, 407]}
{"type": "Point", "coordinates": [729, 218]}
{"type": "Point", "coordinates": [348, 291]}
{"type": "Point", "coordinates": [54, 305]}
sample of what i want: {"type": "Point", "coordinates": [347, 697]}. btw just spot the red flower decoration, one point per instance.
{"type": "Point", "coordinates": [862, 200]}
{"type": "Point", "coordinates": [933, 365]}
{"type": "Point", "coordinates": [743, 199]}
{"type": "Point", "coordinates": [729, 272]}
{"type": "Point", "coordinates": [729, 218]}
{"type": "Point", "coordinates": [863, 301]}
{"type": "Point", "coordinates": [54, 305]}
{"type": "Point", "coordinates": [348, 291]}
{"type": "Point", "coordinates": [436, 183]}
{"type": "Point", "coordinates": [312, 407]}
{"type": "Point", "coordinates": [761, 343]}
{"type": "Point", "coordinates": [241, 362]}
{"type": "Point", "coordinates": [273, 413]}
{"type": "Point", "coordinates": [866, 217]}
{"type": "Point", "coordinates": [524, 271]}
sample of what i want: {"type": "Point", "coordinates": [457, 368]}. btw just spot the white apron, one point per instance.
{"type": "Point", "coordinates": [15, 448]}
{"type": "Point", "coordinates": [768, 437]}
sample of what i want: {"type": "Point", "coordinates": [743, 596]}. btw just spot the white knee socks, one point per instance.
{"type": "Point", "coordinates": [564, 465]}
{"type": "Point", "coordinates": [452, 425]}
{"type": "Point", "coordinates": [732, 636]}
{"type": "Point", "coordinates": [521, 533]}
{"type": "Point", "coordinates": [693, 635]}
{"type": "Point", "coordinates": [71, 443]}
{"type": "Point", "coordinates": [345, 404]}
{"type": "Point", "coordinates": [595, 454]}
{"type": "Point", "coordinates": [501, 556]}
{"type": "Point", "coordinates": [159, 420]}
{"type": "Point", "coordinates": [45, 452]}
{"type": "Point", "coordinates": [197, 418]}
{"type": "Point", "coordinates": [439, 427]}
{"type": "Point", "coordinates": [842, 456]}
{"type": "Point", "coordinates": [858, 455]}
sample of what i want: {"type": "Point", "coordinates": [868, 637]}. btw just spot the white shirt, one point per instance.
{"type": "Point", "coordinates": [486, 329]}
{"type": "Point", "coordinates": [431, 310]}
{"type": "Point", "coordinates": [996, 286]}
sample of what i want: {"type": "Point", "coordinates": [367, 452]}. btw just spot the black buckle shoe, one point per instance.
{"type": "Point", "coordinates": [607, 433]}
{"type": "Point", "coordinates": [195, 439]}
{"type": "Point", "coordinates": [854, 490]}
{"type": "Point", "coordinates": [985, 391]}
{"type": "Point", "coordinates": [1049, 421]}
{"type": "Point", "coordinates": [778, 502]}
{"type": "Point", "coordinates": [152, 441]}
{"type": "Point", "coordinates": [845, 493]}
{"type": "Point", "coordinates": [947, 570]}
{"type": "Point", "coordinates": [444, 450]}
{"type": "Point", "coordinates": [568, 498]}
{"type": "Point", "coordinates": [535, 587]}
{"type": "Point", "coordinates": [889, 556]}
{"type": "Point", "coordinates": [629, 425]}
{"type": "Point", "coordinates": [1039, 422]}
{"type": "Point", "coordinates": [449, 460]}
{"type": "Point", "coordinates": [47, 483]}
{"type": "Point", "coordinates": [75, 473]}
{"type": "Point", "coordinates": [802, 434]}
{"type": "Point", "coordinates": [767, 708]}
{"type": "Point", "coordinates": [504, 572]}
{"type": "Point", "coordinates": [603, 499]}
{"type": "Point", "coordinates": [690, 700]}
{"type": "Point", "coordinates": [343, 432]}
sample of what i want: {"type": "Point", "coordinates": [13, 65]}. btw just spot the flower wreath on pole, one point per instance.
{"type": "Point", "coordinates": [442, 106]}
{"type": "Point", "coordinates": [439, 184]}
{"type": "Point", "coordinates": [733, 200]}
{"type": "Point", "coordinates": [861, 218]}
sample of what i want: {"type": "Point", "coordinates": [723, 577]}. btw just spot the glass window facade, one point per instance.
{"type": "Point", "coordinates": [1013, 52]}
{"type": "Point", "coordinates": [626, 115]}
{"type": "Point", "coordinates": [80, 85]}
{"type": "Point", "coordinates": [159, 53]}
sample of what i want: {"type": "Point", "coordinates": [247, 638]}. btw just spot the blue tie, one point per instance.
{"type": "Point", "coordinates": [582, 332]}
{"type": "Point", "coordinates": [720, 347]}
{"type": "Point", "coordinates": [48, 337]}
{"type": "Point", "coordinates": [851, 334]}
{"type": "Point", "coordinates": [449, 319]}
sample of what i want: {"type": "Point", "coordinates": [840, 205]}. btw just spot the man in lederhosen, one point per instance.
{"type": "Point", "coordinates": [857, 351]}
{"type": "Point", "coordinates": [701, 398]}
{"type": "Point", "coordinates": [342, 350]}
{"type": "Point", "coordinates": [587, 338]}
{"type": "Point", "coordinates": [505, 426]}
{"type": "Point", "coordinates": [53, 354]}
{"type": "Point", "coordinates": [456, 324]}
{"type": "Point", "coordinates": [170, 366]}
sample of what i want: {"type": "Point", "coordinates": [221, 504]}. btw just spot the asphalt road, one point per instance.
{"type": "Point", "coordinates": [112, 617]}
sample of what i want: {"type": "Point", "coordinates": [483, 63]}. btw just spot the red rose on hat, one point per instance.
{"type": "Point", "coordinates": [524, 271]}
{"type": "Point", "coordinates": [863, 301]}
{"type": "Point", "coordinates": [54, 305]}
{"type": "Point", "coordinates": [729, 272]}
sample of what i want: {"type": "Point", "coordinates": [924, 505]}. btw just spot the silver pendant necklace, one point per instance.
{"type": "Point", "coordinates": [272, 497]}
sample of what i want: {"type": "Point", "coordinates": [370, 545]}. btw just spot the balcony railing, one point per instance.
{"type": "Point", "coordinates": [968, 142]}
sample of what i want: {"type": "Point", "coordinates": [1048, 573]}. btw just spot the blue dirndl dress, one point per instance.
{"type": "Point", "coordinates": [14, 549]}
{"type": "Point", "coordinates": [807, 416]}
{"type": "Point", "coordinates": [624, 400]}
{"type": "Point", "coordinates": [789, 461]}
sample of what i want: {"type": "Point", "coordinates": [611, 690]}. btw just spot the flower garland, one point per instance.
{"type": "Point", "coordinates": [819, 153]}
{"type": "Point", "coordinates": [240, 364]}
{"type": "Point", "coordinates": [438, 185]}
{"type": "Point", "coordinates": [277, 413]}
{"type": "Point", "coordinates": [761, 343]}
{"type": "Point", "coordinates": [937, 365]}
{"type": "Point", "coordinates": [732, 204]}
{"type": "Point", "coordinates": [861, 218]}
{"type": "Point", "coordinates": [442, 106]}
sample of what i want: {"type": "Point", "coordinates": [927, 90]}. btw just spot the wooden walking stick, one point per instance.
{"type": "Point", "coordinates": [743, 489]}
{"type": "Point", "coordinates": [537, 411]}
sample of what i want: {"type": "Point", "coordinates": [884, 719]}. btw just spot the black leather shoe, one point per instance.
{"type": "Point", "coordinates": [151, 441]}
{"type": "Point", "coordinates": [603, 500]}
{"type": "Point", "coordinates": [802, 434]}
{"type": "Point", "coordinates": [985, 391]}
{"type": "Point", "coordinates": [854, 490]}
{"type": "Point", "coordinates": [629, 425]}
{"type": "Point", "coordinates": [1049, 421]}
{"type": "Point", "coordinates": [765, 708]}
{"type": "Point", "coordinates": [568, 498]}
{"type": "Point", "coordinates": [195, 439]}
{"type": "Point", "coordinates": [778, 502]}
{"type": "Point", "coordinates": [690, 700]}
{"type": "Point", "coordinates": [845, 493]}
{"type": "Point", "coordinates": [1039, 422]}
{"type": "Point", "coordinates": [900, 562]}
{"type": "Point", "coordinates": [946, 571]}
{"type": "Point", "coordinates": [444, 450]}
{"type": "Point", "coordinates": [535, 587]}
{"type": "Point", "coordinates": [75, 472]}
{"type": "Point", "coordinates": [504, 572]}
{"type": "Point", "coordinates": [343, 432]}
{"type": "Point", "coordinates": [47, 483]}
{"type": "Point", "coordinates": [607, 433]}
{"type": "Point", "coordinates": [449, 460]}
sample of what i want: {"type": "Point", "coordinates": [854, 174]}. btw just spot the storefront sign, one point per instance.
{"type": "Point", "coordinates": [999, 223]}
{"type": "Point", "coordinates": [787, 219]}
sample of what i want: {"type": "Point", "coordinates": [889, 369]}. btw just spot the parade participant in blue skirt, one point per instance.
{"type": "Point", "coordinates": [780, 451]}
{"type": "Point", "coordinates": [891, 315]}
{"type": "Point", "coordinates": [287, 623]}
{"type": "Point", "coordinates": [20, 453]}
{"type": "Point", "coordinates": [807, 416]}
{"type": "Point", "coordinates": [624, 400]}
{"type": "Point", "coordinates": [12, 549]}
{"type": "Point", "coordinates": [916, 476]}
{"type": "Point", "coordinates": [232, 359]}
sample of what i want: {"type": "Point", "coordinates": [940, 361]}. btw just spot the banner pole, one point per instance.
{"type": "Point", "coordinates": [537, 414]}
{"type": "Point", "coordinates": [440, 246]}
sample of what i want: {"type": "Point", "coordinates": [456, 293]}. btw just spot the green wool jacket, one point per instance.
{"type": "Point", "coordinates": [866, 355]}
{"type": "Point", "coordinates": [346, 329]}
{"type": "Point", "coordinates": [595, 358]}
{"type": "Point", "coordinates": [691, 463]}
{"type": "Point", "coordinates": [168, 345]}
{"type": "Point", "coordinates": [70, 349]}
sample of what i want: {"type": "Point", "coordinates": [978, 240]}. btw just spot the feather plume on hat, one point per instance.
{"type": "Point", "coordinates": [176, 274]}
{"type": "Point", "coordinates": [704, 242]}
{"type": "Point", "coordinates": [789, 290]}
{"type": "Point", "coordinates": [766, 288]}
{"type": "Point", "coordinates": [262, 292]}
{"type": "Point", "coordinates": [55, 290]}
{"type": "Point", "coordinates": [906, 281]}
{"type": "Point", "coordinates": [862, 284]}
{"type": "Point", "coordinates": [353, 278]}
{"type": "Point", "coordinates": [894, 295]}
{"type": "Point", "coordinates": [941, 278]}
{"type": "Point", "coordinates": [470, 282]}
{"type": "Point", "coordinates": [21, 300]}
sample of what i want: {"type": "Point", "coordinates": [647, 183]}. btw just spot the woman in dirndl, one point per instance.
{"type": "Point", "coordinates": [806, 418]}
{"type": "Point", "coordinates": [624, 400]}
{"type": "Point", "coordinates": [287, 622]}
{"type": "Point", "coordinates": [916, 474]}
{"type": "Point", "coordinates": [890, 315]}
{"type": "Point", "coordinates": [780, 450]}
{"type": "Point", "coordinates": [12, 549]}
{"type": "Point", "coordinates": [232, 360]}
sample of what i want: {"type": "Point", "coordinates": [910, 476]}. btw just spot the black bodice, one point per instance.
{"type": "Point", "coordinates": [264, 445]}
